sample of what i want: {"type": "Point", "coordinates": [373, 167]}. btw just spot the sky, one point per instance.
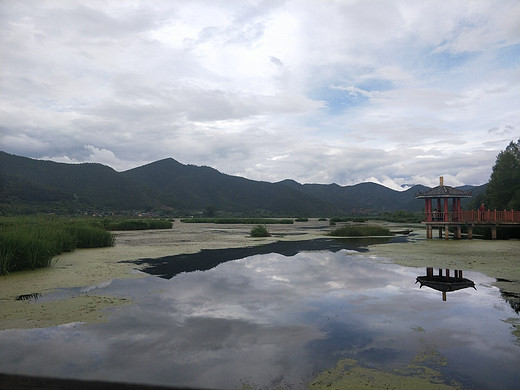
{"type": "Point", "coordinates": [395, 92]}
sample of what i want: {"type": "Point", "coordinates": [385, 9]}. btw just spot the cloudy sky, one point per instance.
{"type": "Point", "coordinates": [320, 91]}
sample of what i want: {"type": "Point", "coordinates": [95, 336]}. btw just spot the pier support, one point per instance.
{"type": "Point", "coordinates": [458, 232]}
{"type": "Point", "coordinates": [470, 232]}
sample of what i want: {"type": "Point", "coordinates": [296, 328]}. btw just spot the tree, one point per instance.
{"type": "Point", "coordinates": [503, 191]}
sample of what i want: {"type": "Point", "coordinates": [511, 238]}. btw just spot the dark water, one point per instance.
{"type": "Point", "coordinates": [275, 320]}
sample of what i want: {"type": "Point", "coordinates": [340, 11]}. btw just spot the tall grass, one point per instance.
{"type": "Point", "coordinates": [29, 243]}
{"type": "Point", "coordinates": [360, 231]}
{"type": "Point", "coordinates": [260, 231]}
{"type": "Point", "coordinates": [138, 224]}
{"type": "Point", "coordinates": [252, 221]}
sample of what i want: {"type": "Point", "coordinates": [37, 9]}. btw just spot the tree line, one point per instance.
{"type": "Point", "coordinates": [503, 189]}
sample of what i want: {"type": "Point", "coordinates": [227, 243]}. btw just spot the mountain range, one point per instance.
{"type": "Point", "coordinates": [170, 187]}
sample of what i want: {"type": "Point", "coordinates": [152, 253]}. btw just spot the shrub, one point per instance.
{"type": "Point", "coordinates": [360, 231]}
{"type": "Point", "coordinates": [260, 231]}
{"type": "Point", "coordinates": [301, 220]}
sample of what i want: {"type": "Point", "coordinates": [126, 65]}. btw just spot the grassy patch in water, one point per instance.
{"type": "Point", "coordinates": [29, 243]}
{"type": "Point", "coordinates": [260, 231]}
{"type": "Point", "coordinates": [360, 231]}
{"type": "Point", "coordinates": [138, 224]}
{"type": "Point", "coordinates": [247, 221]}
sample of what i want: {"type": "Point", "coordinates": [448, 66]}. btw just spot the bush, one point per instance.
{"type": "Point", "coordinates": [301, 220]}
{"type": "Point", "coordinates": [360, 231]}
{"type": "Point", "coordinates": [260, 231]}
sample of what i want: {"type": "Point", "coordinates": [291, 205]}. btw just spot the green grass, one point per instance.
{"type": "Point", "coordinates": [252, 221]}
{"type": "Point", "coordinates": [360, 231]}
{"type": "Point", "coordinates": [137, 224]}
{"type": "Point", "coordinates": [29, 243]}
{"type": "Point", "coordinates": [260, 231]}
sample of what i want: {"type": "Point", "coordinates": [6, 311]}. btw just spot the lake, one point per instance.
{"type": "Point", "coordinates": [295, 320]}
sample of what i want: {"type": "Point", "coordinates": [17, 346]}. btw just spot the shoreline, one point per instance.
{"type": "Point", "coordinates": [88, 267]}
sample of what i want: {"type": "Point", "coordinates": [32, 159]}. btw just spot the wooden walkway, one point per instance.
{"type": "Point", "coordinates": [446, 220]}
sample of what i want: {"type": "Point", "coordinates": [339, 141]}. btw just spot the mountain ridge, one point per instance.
{"type": "Point", "coordinates": [169, 186]}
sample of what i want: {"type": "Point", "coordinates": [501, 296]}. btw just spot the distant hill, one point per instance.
{"type": "Point", "coordinates": [28, 185]}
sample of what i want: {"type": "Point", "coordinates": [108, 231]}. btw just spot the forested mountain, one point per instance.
{"type": "Point", "coordinates": [28, 185]}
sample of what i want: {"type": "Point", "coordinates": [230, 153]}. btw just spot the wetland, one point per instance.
{"type": "Point", "coordinates": [207, 306]}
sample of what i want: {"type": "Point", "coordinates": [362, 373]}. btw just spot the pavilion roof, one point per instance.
{"type": "Point", "coordinates": [443, 191]}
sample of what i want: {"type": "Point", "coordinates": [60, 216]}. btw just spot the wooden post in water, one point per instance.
{"type": "Point", "coordinates": [458, 232]}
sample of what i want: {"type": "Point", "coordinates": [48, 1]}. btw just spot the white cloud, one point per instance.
{"type": "Point", "coordinates": [394, 92]}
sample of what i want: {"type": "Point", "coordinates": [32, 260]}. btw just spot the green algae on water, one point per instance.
{"type": "Point", "coordinates": [348, 374]}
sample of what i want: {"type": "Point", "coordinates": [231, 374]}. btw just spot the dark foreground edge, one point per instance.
{"type": "Point", "coordinates": [21, 382]}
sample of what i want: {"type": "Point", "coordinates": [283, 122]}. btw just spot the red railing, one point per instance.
{"type": "Point", "coordinates": [486, 216]}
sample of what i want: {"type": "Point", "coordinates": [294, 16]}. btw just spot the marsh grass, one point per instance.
{"type": "Point", "coordinates": [260, 231]}
{"type": "Point", "coordinates": [29, 243]}
{"type": "Point", "coordinates": [360, 231]}
{"type": "Point", "coordinates": [138, 224]}
{"type": "Point", "coordinates": [252, 221]}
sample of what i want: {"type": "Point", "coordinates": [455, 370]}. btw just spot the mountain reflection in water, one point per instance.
{"type": "Point", "coordinates": [271, 320]}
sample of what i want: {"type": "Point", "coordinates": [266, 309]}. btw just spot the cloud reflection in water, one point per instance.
{"type": "Point", "coordinates": [274, 320]}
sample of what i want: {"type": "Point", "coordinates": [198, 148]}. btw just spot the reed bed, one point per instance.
{"type": "Point", "coordinates": [252, 221]}
{"type": "Point", "coordinates": [360, 231]}
{"type": "Point", "coordinates": [138, 224]}
{"type": "Point", "coordinates": [29, 243]}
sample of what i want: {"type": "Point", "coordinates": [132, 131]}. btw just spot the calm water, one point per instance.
{"type": "Point", "coordinates": [274, 320]}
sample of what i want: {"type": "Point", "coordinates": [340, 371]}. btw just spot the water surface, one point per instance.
{"type": "Point", "coordinates": [273, 320]}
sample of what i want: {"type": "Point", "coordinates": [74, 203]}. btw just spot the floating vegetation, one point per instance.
{"type": "Point", "coordinates": [348, 374]}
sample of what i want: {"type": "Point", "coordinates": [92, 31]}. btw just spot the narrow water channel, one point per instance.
{"type": "Point", "coordinates": [282, 321]}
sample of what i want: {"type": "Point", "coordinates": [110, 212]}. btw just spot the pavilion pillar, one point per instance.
{"type": "Point", "coordinates": [428, 209]}
{"type": "Point", "coordinates": [446, 219]}
{"type": "Point", "coordinates": [457, 212]}
{"type": "Point", "coordinates": [446, 232]}
{"type": "Point", "coordinates": [458, 232]}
